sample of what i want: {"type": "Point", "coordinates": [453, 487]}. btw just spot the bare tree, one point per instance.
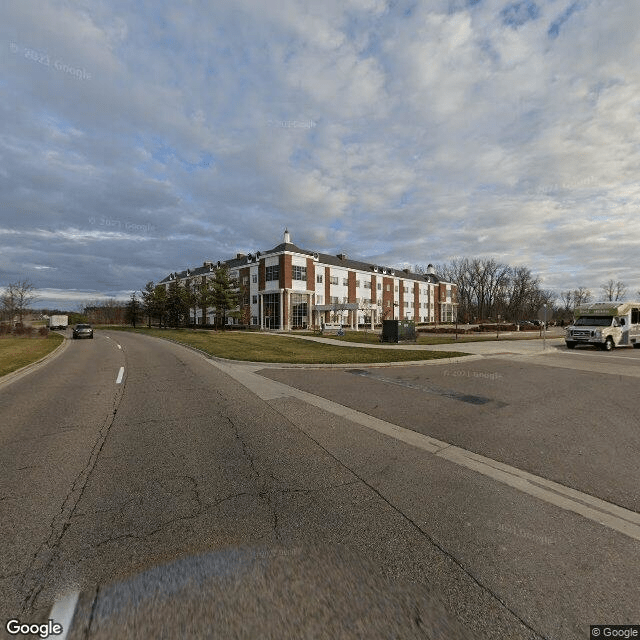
{"type": "Point", "coordinates": [8, 301]}
{"type": "Point", "coordinates": [17, 298]}
{"type": "Point", "coordinates": [522, 294]}
{"type": "Point", "coordinates": [488, 288]}
{"type": "Point", "coordinates": [581, 296]}
{"type": "Point", "coordinates": [614, 290]}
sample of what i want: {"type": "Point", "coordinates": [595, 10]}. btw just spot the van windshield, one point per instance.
{"type": "Point", "coordinates": [594, 321]}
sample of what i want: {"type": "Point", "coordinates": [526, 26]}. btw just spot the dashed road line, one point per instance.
{"type": "Point", "coordinates": [62, 612]}
{"type": "Point", "coordinates": [120, 375]}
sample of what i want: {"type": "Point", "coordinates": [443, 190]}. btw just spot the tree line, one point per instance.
{"type": "Point", "coordinates": [172, 306]}
{"type": "Point", "coordinates": [491, 290]}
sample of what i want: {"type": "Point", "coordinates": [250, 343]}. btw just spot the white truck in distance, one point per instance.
{"type": "Point", "coordinates": [606, 325]}
{"type": "Point", "coordinates": [58, 322]}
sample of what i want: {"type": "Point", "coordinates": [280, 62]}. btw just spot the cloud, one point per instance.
{"type": "Point", "coordinates": [408, 133]}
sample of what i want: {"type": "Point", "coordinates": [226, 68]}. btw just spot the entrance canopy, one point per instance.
{"type": "Point", "coordinates": [340, 306]}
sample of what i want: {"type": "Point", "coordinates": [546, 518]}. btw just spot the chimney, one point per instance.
{"type": "Point", "coordinates": [286, 237]}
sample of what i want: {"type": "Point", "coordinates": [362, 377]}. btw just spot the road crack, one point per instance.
{"type": "Point", "coordinates": [35, 574]}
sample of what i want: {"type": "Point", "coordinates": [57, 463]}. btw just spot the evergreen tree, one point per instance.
{"type": "Point", "coordinates": [191, 292]}
{"type": "Point", "coordinates": [205, 295]}
{"type": "Point", "coordinates": [225, 296]}
{"type": "Point", "coordinates": [148, 295]}
{"type": "Point", "coordinates": [159, 304]}
{"type": "Point", "coordinates": [133, 310]}
{"type": "Point", "coordinates": [177, 305]}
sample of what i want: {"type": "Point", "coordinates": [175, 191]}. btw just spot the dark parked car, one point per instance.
{"type": "Point", "coordinates": [82, 331]}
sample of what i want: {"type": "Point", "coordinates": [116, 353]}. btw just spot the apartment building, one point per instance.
{"type": "Point", "coordinates": [288, 287]}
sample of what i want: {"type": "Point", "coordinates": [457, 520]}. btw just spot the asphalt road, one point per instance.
{"type": "Point", "coordinates": [190, 498]}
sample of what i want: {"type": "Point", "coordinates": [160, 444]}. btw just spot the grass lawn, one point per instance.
{"type": "Point", "coordinates": [371, 337]}
{"type": "Point", "coordinates": [256, 347]}
{"type": "Point", "coordinates": [19, 352]}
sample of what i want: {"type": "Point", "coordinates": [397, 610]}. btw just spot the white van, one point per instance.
{"type": "Point", "coordinates": [606, 325]}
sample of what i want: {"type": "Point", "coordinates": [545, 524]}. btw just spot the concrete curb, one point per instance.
{"type": "Point", "coordinates": [9, 378]}
{"type": "Point", "coordinates": [291, 365]}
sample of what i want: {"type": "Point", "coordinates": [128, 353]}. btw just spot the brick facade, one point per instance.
{"type": "Point", "coordinates": [429, 302]}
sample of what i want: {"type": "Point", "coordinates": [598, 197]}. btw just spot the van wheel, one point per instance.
{"type": "Point", "coordinates": [608, 345]}
{"type": "Point", "coordinates": [571, 345]}
{"type": "Point", "coordinates": [636, 345]}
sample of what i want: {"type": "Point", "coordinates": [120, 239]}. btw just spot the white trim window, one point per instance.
{"type": "Point", "coordinates": [272, 273]}
{"type": "Point", "coordinates": [299, 273]}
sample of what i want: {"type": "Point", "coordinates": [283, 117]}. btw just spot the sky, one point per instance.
{"type": "Point", "coordinates": [140, 137]}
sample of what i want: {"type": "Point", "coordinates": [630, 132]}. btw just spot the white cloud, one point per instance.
{"type": "Point", "coordinates": [438, 130]}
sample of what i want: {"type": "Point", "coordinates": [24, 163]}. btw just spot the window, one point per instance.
{"type": "Point", "coordinates": [388, 288]}
{"type": "Point", "coordinates": [272, 273]}
{"type": "Point", "coordinates": [388, 303]}
{"type": "Point", "coordinates": [271, 303]}
{"type": "Point", "coordinates": [635, 316]}
{"type": "Point", "coordinates": [319, 299]}
{"type": "Point", "coordinates": [333, 300]}
{"type": "Point", "coordinates": [357, 283]}
{"type": "Point", "coordinates": [406, 303]}
{"type": "Point", "coordinates": [319, 279]}
{"type": "Point", "coordinates": [367, 285]}
{"type": "Point", "coordinates": [333, 279]}
{"type": "Point", "coordinates": [254, 278]}
{"type": "Point", "coordinates": [379, 286]}
{"type": "Point", "coordinates": [396, 288]}
{"type": "Point", "coordinates": [254, 299]}
{"type": "Point", "coordinates": [345, 282]}
{"type": "Point", "coordinates": [405, 289]}
{"type": "Point", "coordinates": [299, 309]}
{"type": "Point", "coordinates": [299, 273]}
{"type": "Point", "coordinates": [254, 319]}
{"type": "Point", "coordinates": [245, 280]}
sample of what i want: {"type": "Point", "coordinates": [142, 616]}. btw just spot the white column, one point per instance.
{"type": "Point", "coordinates": [281, 310]}
{"type": "Point", "coordinates": [261, 312]}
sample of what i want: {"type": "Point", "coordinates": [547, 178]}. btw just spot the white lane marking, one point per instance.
{"type": "Point", "coordinates": [600, 354]}
{"type": "Point", "coordinates": [62, 612]}
{"type": "Point", "coordinates": [609, 515]}
{"type": "Point", "coordinates": [108, 338]}
{"type": "Point", "coordinates": [120, 374]}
